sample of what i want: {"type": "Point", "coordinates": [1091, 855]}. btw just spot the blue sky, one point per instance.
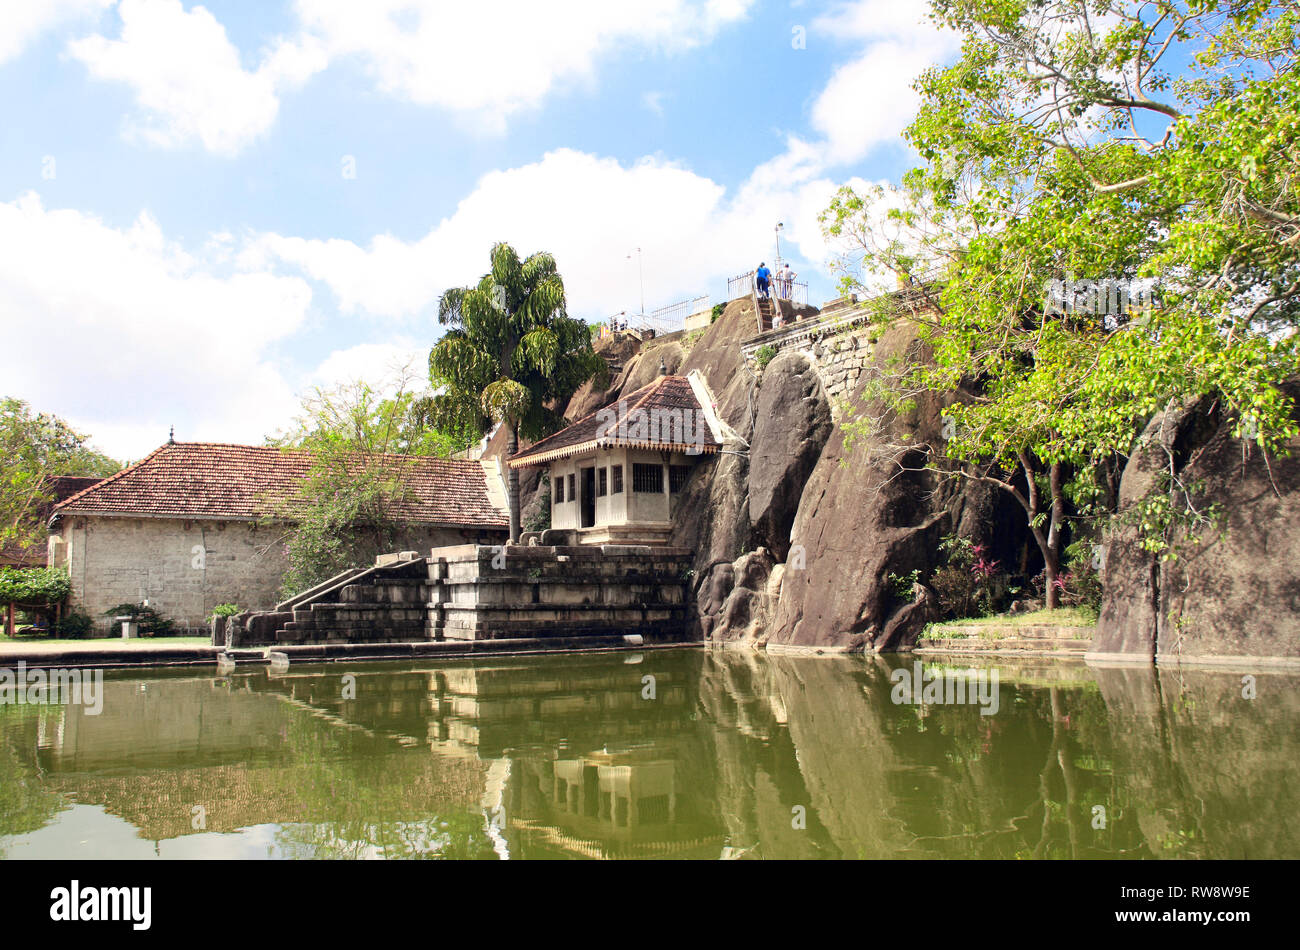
{"type": "Point", "coordinates": [207, 209]}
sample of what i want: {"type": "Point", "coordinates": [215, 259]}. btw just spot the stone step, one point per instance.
{"type": "Point", "coordinates": [1004, 645]}
{"type": "Point", "coordinates": [1034, 632]}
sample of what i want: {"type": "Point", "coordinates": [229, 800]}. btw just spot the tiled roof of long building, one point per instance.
{"type": "Point", "coordinates": [244, 483]}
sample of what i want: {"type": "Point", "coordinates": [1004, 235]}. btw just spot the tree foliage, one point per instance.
{"type": "Point", "coordinates": [362, 439]}
{"type": "Point", "coordinates": [1075, 151]}
{"type": "Point", "coordinates": [510, 355]}
{"type": "Point", "coordinates": [34, 585]}
{"type": "Point", "coordinates": [36, 447]}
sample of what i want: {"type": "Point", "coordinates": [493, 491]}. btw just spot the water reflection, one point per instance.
{"type": "Point", "coordinates": [684, 754]}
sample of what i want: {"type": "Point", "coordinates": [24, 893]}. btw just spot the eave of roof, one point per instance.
{"type": "Point", "coordinates": [540, 454]}
{"type": "Point", "coordinates": [686, 448]}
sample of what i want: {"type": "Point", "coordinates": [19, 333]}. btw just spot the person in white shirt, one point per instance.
{"type": "Point", "coordinates": [787, 282]}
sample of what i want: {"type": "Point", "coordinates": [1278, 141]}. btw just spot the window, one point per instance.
{"type": "Point", "coordinates": [677, 475]}
{"type": "Point", "coordinates": [602, 483]}
{"type": "Point", "coordinates": [616, 473]}
{"type": "Point", "coordinates": [573, 491]}
{"type": "Point", "coordinates": [559, 490]}
{"type": "Point", "coordinates": [647, 478]}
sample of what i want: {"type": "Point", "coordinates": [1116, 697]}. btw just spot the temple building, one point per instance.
{"type": "Point", "coordinates": [197, 524]}
{"type": "Point", "coordinates": [616, 474]}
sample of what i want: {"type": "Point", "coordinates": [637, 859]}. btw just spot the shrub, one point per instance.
{"type": "Point", "coordinates": [901, 587]}
{"type": "Point", "coordinates": [151, 622]}
{"type": "Point", "coordinates": [971, 583]}
{"type": "Point", "coordinates": [76, 624]}
{"type": "Point", "coordinates": [224, 610]}
{"type": "Point", "coordinates": [764, 355]}
{"type": "Point", "coordinates": [717, 312]}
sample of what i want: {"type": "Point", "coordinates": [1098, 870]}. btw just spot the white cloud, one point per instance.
{"type": "Point", "coordinates": [103, 325]}
{"type": "Point", "coordinates": [483, 61]}
{"type": "Point", "coordinates": [378, 364]}
{"type": "Point", "coordinates": [591, 213]}
{"type": "Point", "coordinates": [869, 100]}
{"type": "Point", "coordinates": [654, 102]}
{"type": "Point", "coordinates": [22, 21]}
{"type": "Point", "coordinates": [492, 58]}
{"type": "Point", "coordinates": [189, 82]}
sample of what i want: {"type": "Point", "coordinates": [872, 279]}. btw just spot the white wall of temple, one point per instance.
{"type": "Point", "coordinates": [642, 496]}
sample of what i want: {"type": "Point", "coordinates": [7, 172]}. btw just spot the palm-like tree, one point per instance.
{"type": "Point", "coordinates": [511, 355]}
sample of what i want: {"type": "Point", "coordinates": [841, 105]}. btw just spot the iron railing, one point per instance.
{"type": "Point", "coordinates": [743, 286]}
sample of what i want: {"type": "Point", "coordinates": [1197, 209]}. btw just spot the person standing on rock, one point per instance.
{"type": "Point", "coordinates": [763, 275]}
{"type": "Point", "coordinates": [787, 282]}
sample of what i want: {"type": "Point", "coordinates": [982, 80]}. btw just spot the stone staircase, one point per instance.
{"type": "Point", "coordinates": [1010, 640]}
{"type": "Point", "coordinates": [381, 604]}
{"type": "Point", "coordinates": [765, 312]}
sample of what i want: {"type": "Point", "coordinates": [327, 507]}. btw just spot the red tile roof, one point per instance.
{"type": "Point", "coordinates": [243, 483]}
{"type": "Point", "coordinates": [626, 423]}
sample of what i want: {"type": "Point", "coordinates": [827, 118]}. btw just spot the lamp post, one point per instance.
{"type": "Point", "coordinates": [780, 226]}
{"type": "Point", "coordinates": [641, 274]}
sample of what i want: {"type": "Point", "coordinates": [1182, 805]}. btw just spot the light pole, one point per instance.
{"type": "Point", "coordinates": [641, 274]}
{"type": "Point", "coordinates": [780, 226]}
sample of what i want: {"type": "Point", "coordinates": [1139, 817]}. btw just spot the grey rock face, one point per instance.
{"type": "Point", "coordinates": [1237, 592]}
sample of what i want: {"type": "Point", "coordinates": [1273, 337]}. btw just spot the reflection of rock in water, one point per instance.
{"type": "Point", "coordinates": [1211, 773]}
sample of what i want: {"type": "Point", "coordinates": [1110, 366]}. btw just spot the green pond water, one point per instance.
{"type": "Point", "coordinates": [666, 753]}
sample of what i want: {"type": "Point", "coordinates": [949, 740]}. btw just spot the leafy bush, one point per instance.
{"type": "Point", "coordinates": [76, 624]}
{"type": "Point", "coordinates": [151, 622]}
{"type": "Point", "coordinates": [901, 586]}
{"type": "Point", "coordinates": [224, 610]}
{"type": "Point", "coordinates": [970, 584]}
{"type": "Point", "coordinates": [717, 312]}
{"type": "Point", "coordinates": [764, 355]}
{"type": "Point", "coordinates": [1080, 583]}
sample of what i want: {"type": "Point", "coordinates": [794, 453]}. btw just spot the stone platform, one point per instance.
{"type": "Point", "coordinates": [488, 592]}
{"type": "Point", "coordinates": [481, 592]}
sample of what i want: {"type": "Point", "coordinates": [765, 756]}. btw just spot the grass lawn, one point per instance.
{"type": "Point", "coordinates": [1060, 617]}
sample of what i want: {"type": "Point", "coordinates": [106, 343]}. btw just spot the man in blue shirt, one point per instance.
{"type": "Point", "coordinates": [763, 275]}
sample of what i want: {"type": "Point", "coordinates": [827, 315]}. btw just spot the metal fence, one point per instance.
{"type": "Point", "coordinates": [669, 318]}
{"type": "Point", "coordinates": [743, 286]}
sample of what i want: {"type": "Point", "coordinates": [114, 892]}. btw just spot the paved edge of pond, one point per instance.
{"type": "Point", "coordinates": [77, 656]}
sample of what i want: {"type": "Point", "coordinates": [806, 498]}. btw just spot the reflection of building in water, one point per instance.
{"type": "Point", "coordinates": [607, 804]}
{"type": "Point", "coordinates": [531, 725]}
{"type": "Point", "coordinates": [616, 789]}
{"type": "Point", "coordinates": [242, 756]}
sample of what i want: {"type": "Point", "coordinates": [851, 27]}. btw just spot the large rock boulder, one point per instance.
{"type": "Point", "coordinates": [711, 514]}
{"type": "Point", "coordinates": [619, 351]}
{"type": "Point", "coordinates": [792, 424]}
{"type": "Point", "coordinates": [740, 598]}
{"type": "Point", "coordinates": [869, 510]}
{"type": "Point", "coordinates": [1236, 593]}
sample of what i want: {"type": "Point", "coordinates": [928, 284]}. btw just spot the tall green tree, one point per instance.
{"type": "Point", "coordinates": [36, 447]}
{"type": "Point", "coordinates": [511, 355]}
{"type": "Point", "coordinates": [1077, 149]}
{"type": "Point", "coordinates": [361, 438]}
